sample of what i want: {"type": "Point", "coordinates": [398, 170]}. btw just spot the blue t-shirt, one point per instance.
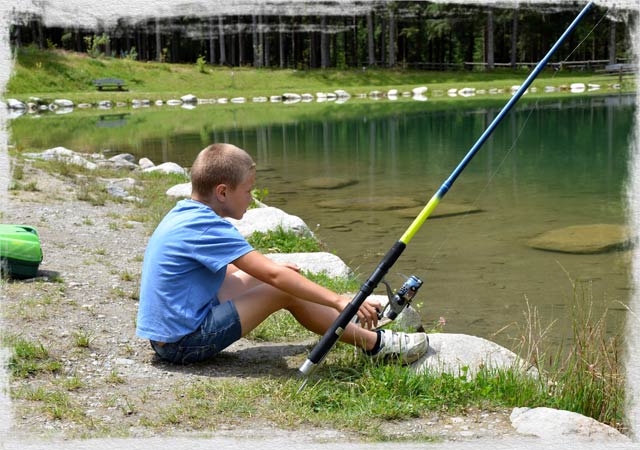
{"type": "Point", "coordinates": [184, 266]}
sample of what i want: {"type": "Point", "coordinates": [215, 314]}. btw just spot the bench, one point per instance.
{"type": "Point", "coordinates": [619, 68]}
{"type": "Point", "coordinates": [109, 83]}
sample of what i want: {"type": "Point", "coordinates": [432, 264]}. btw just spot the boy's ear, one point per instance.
{"type": "Point", "coordinates": [221, 192]}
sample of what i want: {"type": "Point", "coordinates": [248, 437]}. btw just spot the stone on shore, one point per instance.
{"type": "Point", "coordinates": [370, 203]}
{"type": "Point", "coordinates": [145, 163]}
{"type": "Point", "coordinates": [180, 190]}
{"type": "Point", "coordinates": [557, 425]}
{"type": "Point", "coordinates": [328, 182]}
{"type": "Point", "coordinates": [269, 218]}
{"type": "Point", "coordinates": [63, 154]}
{"type": "Point", "coordinates": [461, 354]}
{"type": "Point", "coordinates": [316, 263]}
{"type": "Point", "coordinates": [583, 239]}
{"type": "Point", "coordinates": [168, 167]}
{"type": "Point", "coordinates": [442, 210]}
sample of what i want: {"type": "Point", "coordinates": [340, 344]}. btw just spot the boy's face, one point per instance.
{"type": "Point", "coordinates": [238, 199]}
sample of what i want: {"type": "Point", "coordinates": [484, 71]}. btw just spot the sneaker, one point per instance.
{"type": "Point", "coordinates": [406, 347]}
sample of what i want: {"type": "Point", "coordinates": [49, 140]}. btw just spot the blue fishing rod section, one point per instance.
{"type": "Point", "coordinates": [505, 110]}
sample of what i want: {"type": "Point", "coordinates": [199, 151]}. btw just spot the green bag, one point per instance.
{"type": "Point", "coordinates": [20, 251]}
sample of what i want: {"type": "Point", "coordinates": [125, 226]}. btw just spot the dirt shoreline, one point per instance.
{"type": "Point", "coordinates": [115, 385]}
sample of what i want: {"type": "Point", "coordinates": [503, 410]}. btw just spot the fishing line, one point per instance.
{"type": "Point", "coordinates": [456, 224]}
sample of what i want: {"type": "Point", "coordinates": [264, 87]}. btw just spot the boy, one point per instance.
{"type": "Point", "coordinates": [203, 286]}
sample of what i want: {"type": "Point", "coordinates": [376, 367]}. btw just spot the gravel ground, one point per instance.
{"type": "Point", "coordinates": [96, 251]}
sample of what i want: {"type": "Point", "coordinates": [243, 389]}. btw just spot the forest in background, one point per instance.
{"type": "Point", "coordinates": [400, 34]}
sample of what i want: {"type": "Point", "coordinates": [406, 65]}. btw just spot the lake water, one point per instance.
{"type": "Point", "coordinates": [548, 165]}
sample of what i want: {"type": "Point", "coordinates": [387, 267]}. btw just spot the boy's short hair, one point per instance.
{"type": "Point", "coordinates": [220, 164]}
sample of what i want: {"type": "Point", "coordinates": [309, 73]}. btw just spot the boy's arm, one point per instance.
{"type": "Point", "coordinates": [290, 281]}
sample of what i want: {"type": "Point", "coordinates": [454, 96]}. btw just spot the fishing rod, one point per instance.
{"type": "Point", "coordinates": [336, 330]}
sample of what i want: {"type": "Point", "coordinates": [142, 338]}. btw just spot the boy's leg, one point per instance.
{"type": "Point", "coordinates": [255, 301]}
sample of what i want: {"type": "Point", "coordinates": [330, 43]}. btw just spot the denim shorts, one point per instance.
{"type": "Point", "coordinates": [220, 328]}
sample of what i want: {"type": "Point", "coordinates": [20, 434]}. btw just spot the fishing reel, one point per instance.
{"type": "Point", "coordinates": [400, 299]}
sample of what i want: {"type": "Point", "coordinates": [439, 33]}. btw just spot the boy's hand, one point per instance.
{"type": "Point", "coordinates": [367, 314]}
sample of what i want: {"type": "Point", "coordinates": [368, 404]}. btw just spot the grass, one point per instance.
{"type": "Point", "coordinates": [280, 240]}
{"type": "Point", "coordinates": [586, 376]}
{"type": "Point", "coordinates": [47, 73]}
{"type": "Point", "coordinates": [355, 394]}
{"type": "Point", "coordinates": [29, 358]}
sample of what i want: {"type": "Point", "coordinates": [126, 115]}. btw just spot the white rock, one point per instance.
{"type": "Point", "coordinates": [168, 167]}
{"type": "Point", "coordinates": [223, 100]}
{"type": "Point", "coordinates": [341, 93]}
{"type": "Point", "coordinates": [159, 102]}
{"type": "Point", "coordinates": [275, 98]}
{"type": "Point", "coordinates": [12, 103]}
{"type": "Point", "coordinates": [316, 262]}
{"type": "Point", "coordinates": [577, 88]}
{"type": "Point", "coordinates": [174, 102]}
{"type": "Point", "coordinates": [123, 156]}
{"type": "Point", "coordinates": [259, 99]}
{"type": "Point", "coordinates": [450, 353]}
{"type": "Point", "coordinates": [556, 425]}
{"type": "Point", "coordinates": [64, 103]}
{"type": "Point", "coordinates": [238, 100]}
{"type": "Point", "coordinates": [392, 93]}
{"type": "Point", "coordinates": [419, 98]}
{"type": "Point", "coordinates": [453, 92]}
{"type": "Point", "coordinates": [63, 154]}
{"type": "Point", "coordinates": [421, 90]}
{"type": "Point", "coordinates": [266, 219]}
{"type": "Point", "coordinates": [180, 190]}
{"type": "Point", "coordinates": [467, 92]}
{"type": "Point", "coordinates": [291, 96]}
{"type": "Point", "coordinates": [307, 97]}
{"type": "Point", "coordinates": [189, 98]}
{"type": "Point", "coordinates": [145, 163]}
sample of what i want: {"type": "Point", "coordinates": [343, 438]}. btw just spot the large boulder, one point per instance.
{"type": "Point", "coordinates": [63, 154]}
{"type": "Point", "coordinates": [328, 182]}
{"type": "Point", "coordinates": [443, 210]}
{"type": "Point", "coordinates": [168, 167]}
{"type": "Point", "coordinates": [556, 425]}
{"type": "Point", "coordinates": [268, 219]}
{"type": "Point", "coordinates": [180, 190]}
{"type": "Point", "coordinates": [316, 263]}
{"type": "Point", "coordinates": [382, 203]}
{"type": "Point", "coordinates": [584, 239]}
{"type": "Point", "coordinates": [461, 354]}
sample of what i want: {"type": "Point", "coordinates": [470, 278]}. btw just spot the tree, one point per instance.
{"type": "Point", "coordinates": [514, 38]}
{"type": "Point", "coordinates": [223, 53]}
{"type": "Point", "coordinates": [324, 43]}
{"type": "Point", "coordinates": [489, 41]}
{"type": "Point", "coordinates": [371, 40]}
{"type": "Point", "coordinates": [392, 38]}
